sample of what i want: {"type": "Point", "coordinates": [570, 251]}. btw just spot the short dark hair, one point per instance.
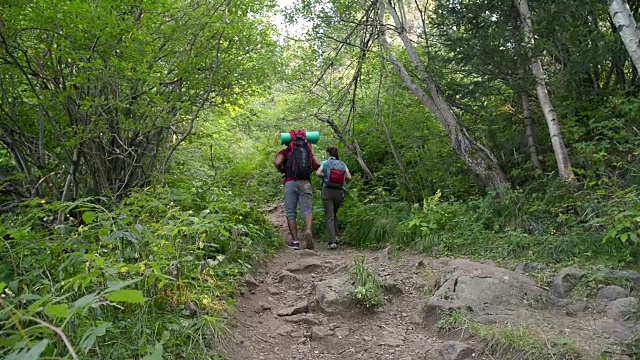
{"type": "Point", "coordinates": [333, 151]}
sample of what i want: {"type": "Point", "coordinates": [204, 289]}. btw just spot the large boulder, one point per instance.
{"type": "Point", "coordinates": [334, 295]}
{"type": "Point", "coordinates": [611, 293]}
{"type": "Point", "coordinates": [482, 289]}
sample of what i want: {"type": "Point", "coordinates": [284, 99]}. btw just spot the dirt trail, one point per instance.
{"type": "Point", "coordinates": [387, 333]}
{"type": "Point", "coordinates": [299, 305]}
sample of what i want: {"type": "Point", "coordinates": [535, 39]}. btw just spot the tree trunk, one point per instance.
{"type": "Point", "coordinates": [352, 146]}
{"type": "Point", "coordinates": [396, 155]}
{"type": "Point", "coordinates": [626, 26]}
{"type": "Point", "coordinates": [528, 127]}
{"type": "Point", "coordinates": [478, 158]}
{"type": "Point", "coordinates": [559, 149]}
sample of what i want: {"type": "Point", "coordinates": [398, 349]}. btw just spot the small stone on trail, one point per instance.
{"type": "Point", "coordinates": [303, 319]}
{"type": "Point", "coordinates": [305, 265]}
{"type": "Point", "coordinates": [318, 332]}
{"type": "Point", "coordinates": [419, 265]}
{"type": "Point", "coordinates": [565, 281]}
{"type": "Point", "coordinates": [611, 293]}
{"type": "Point", "coordinates": [288, 278]}
{"type": "Point", "coordinates": [391, 340]}
{"type": "Point", "coordinates": [455, 350]}
{"type": "Point", "coordinates": [251, 283]}
{"type": "Point", "coordinates": [342, 332]}
{"type": "Point", "coordinates": [264, 306]}
{"type": "Point", "coordinates": [299, 308]}
{"type": "Point", "coordinates": [273, 291]}
{"type": "Point", "coordinates": [386, 253]}
{"type": "Point", "coordinates": [392, 287]}
{"type": "Point", "coordinates": [284, 330]}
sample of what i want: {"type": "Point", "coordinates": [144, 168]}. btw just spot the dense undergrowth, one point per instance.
{"type": "Point", "coordinates": [153, 276]}
{"type": "Point", "coordinates": [555, 227]}
{"type": "Point", "coordinates": [159, 271]}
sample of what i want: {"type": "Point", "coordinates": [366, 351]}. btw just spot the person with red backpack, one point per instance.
{"type": "Point", "coordinates": [297, 163]}
{"type": "Point", "coordinates": [335, 175]}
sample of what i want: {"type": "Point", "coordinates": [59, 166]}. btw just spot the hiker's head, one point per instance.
{"type": "Point", "coordinates": [333, 152]}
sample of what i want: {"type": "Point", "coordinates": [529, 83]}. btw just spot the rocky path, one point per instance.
{"type": "Point", "coordinates": [299, 305]}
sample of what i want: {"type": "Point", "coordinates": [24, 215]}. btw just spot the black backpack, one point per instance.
{"type": "Point", "coordinates": [298, 164]}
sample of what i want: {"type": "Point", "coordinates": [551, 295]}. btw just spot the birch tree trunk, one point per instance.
{"type": "Point", "coordinates": [626, 26]}
{"type": "Point", "coordinates": [528, 128]}
{"type": "Point", "coordinates": [559, 149]}
{"type": "Point", "coordinates": [478, 158]}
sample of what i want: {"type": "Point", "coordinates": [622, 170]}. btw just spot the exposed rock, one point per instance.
{"type": "Point", "coordinates": [527, 268]}
{"type": "Point", "coordinates": [342, 332]}
{"type": "Point", "coordinates": [251, 283]}
{"type": "Point", "coordinates": [622, 309]}
{"type": "Point", "coordinates": [288, 278]}
{"type": "Point", "coordinates": [307, 265]}
{"type": "Point", "coordinates": [488, 262]}
{"type": "Point", "coordinates": [390, 339]}
{"type": "Point", "coordinates": [299, 308]}
{"type": "Point", "coordinates": [483, 289]}
{"type": "Point", "coordinates": [284, 330]}
{"type": "Point", "coordinates": [274, 291]}
{"type": "Point", "coordinates": [263, 306]}
{"type": "Point", "coordinates": [303, 319]}
{"type": "Point", "coordinates": [565, 281]}
{"type": "Point", "coordinates": [392, 287]}
{"type": "Point", "coordinates": [611, 293]}
{"type": "Point", "coordinates": [631, 275]}
{"type": "Point", "coordinates": [334, 295]}
{"type": "Point", "coordinates": [455, 350]}
{"type": "Point", "coordinates": [617, 330]}
{"type": "Point", "coordinates": [318, 332]}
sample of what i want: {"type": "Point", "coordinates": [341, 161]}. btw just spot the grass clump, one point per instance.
{"type": "Point", "coordinates": [368, 290]}
{"type": "Point", "coordinates": [510, 342]}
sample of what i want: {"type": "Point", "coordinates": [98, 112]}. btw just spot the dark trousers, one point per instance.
{"type": "Point", "coordinates": [331, 201]}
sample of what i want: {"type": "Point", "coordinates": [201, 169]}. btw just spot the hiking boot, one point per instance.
{"type": "Point", "coordinates": [308, 241]}
{"type": "Point", "coordinates": [295, 245]}
{"type": "Point", "coordinates": [333, 246]}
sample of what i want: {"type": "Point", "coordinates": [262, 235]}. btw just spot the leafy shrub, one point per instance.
{"type": "Point", "coordinates": [155, 275]}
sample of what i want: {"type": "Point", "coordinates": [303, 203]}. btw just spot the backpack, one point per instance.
{"type": "Point", "coordinates": [335, 172]}
{"type": "Point", "coordinates": [298, 164]}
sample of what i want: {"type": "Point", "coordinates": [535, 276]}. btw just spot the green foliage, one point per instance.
{"type": "Point", "coordinates": [368, 290]}
{"type": "Point", "coordinates": [153, 276]}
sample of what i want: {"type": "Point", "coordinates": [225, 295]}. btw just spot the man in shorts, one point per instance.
{"type": "Point", "coordinates": [297, 163]}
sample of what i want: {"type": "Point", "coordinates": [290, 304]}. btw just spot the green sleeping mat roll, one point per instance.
{"type": "Point", "coordinates": [312, 137]}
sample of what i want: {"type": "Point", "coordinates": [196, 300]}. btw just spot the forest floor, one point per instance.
{"type": "Point", "coordinates": [299, 305]}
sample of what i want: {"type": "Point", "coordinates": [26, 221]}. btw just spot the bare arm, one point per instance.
{"type": "Point", "coordinates": [319, 172]}
{"type": "Point", "coordinates": [348, 175]}
{"type": "Point", "coordinates": [279, 163]}
{"type": "Point", "coordinates": [315, 163]}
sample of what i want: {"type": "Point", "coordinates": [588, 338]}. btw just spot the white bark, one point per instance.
{"type": "Point", "coordinates": [626, 26]}
{"type": "Point", "coordinates": [528, 127]}
{"type": "Point", "coordinates": [559, 149]}
{"type": "Point", "coordinates": [478, 158]}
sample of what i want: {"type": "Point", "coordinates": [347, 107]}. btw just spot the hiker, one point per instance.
{"type": "Point", "coordinates": [335, 175]}
{"type": "Point", "coordinates": [297, 163]}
